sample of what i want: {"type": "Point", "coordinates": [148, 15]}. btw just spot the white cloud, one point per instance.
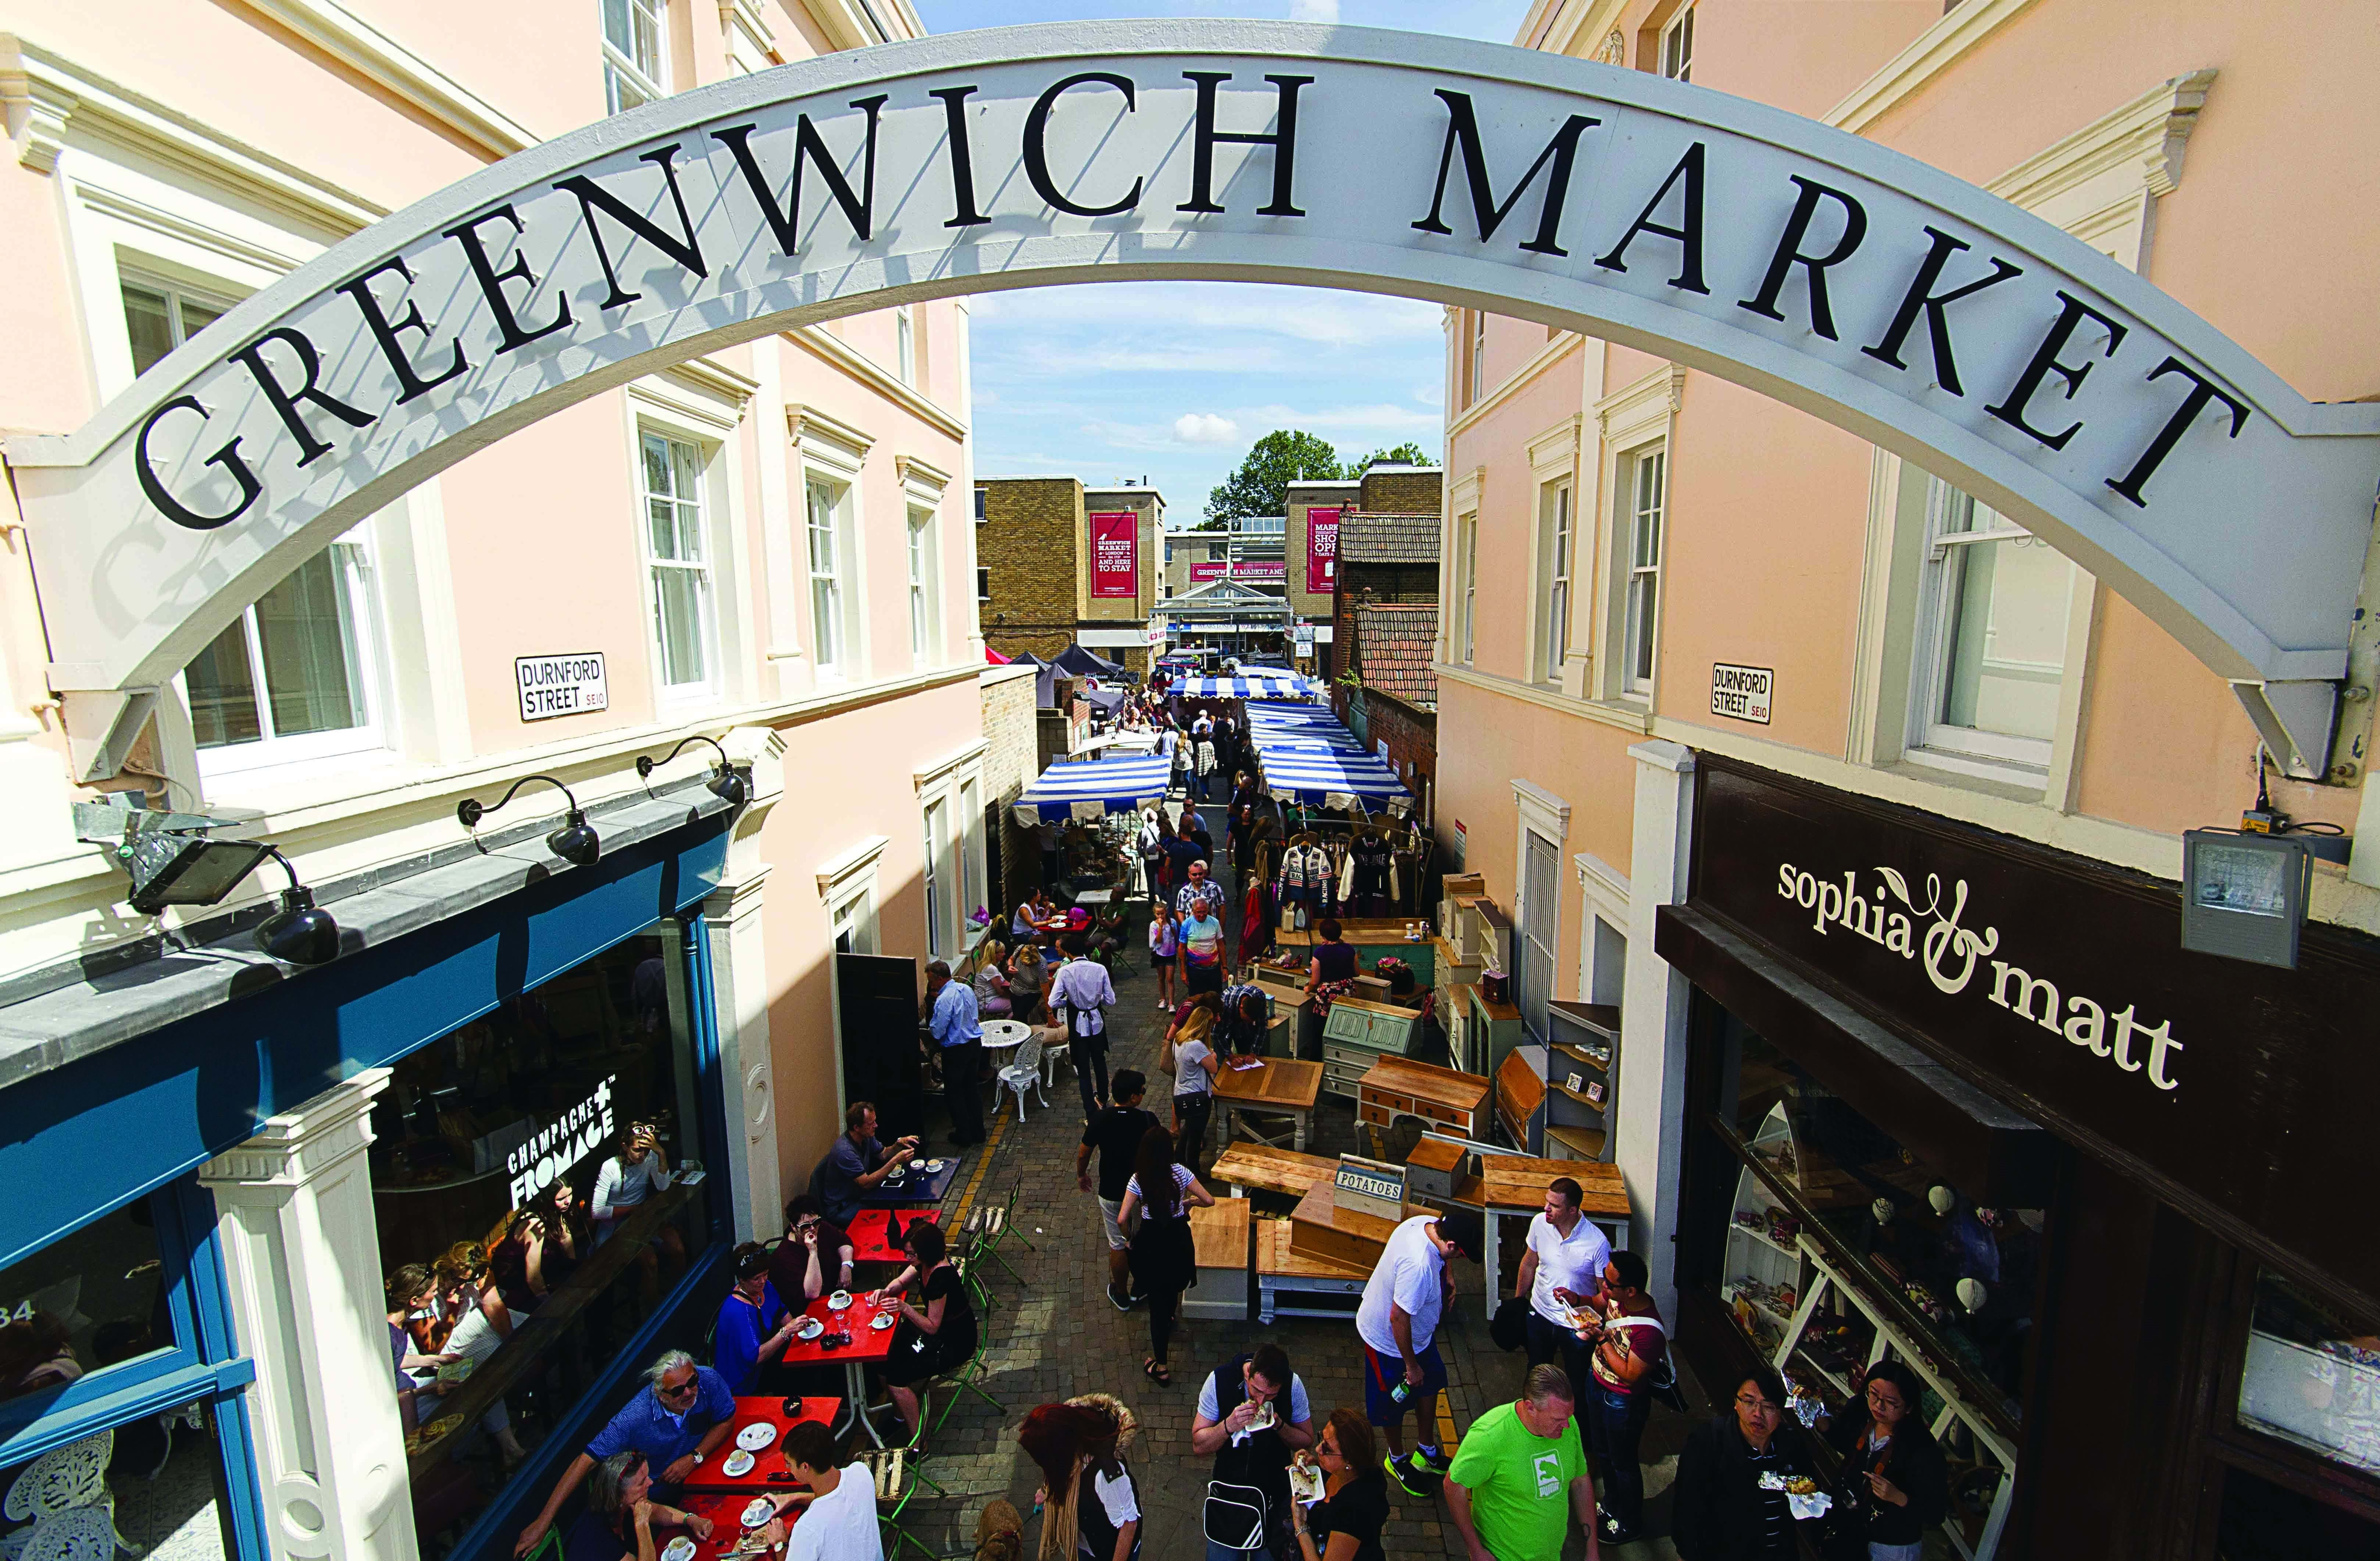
{"type": "Point", "coordinates": [1314, 10]}
{"type": "Point", "coordinates": [1205, 428]}
{"type": "Point", "coordinates": [1430, 396]}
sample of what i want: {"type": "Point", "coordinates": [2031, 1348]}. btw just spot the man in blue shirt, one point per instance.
{"type": "Point", "coordinates": [956, 1031]}
{"type": "Point", "coordinates": [852, 1168]}
{"type": "Point", "coordinates": [680, 1418]}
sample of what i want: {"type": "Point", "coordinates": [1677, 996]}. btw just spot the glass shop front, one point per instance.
{"type": "Point", "coordinates": [1966, 1105]}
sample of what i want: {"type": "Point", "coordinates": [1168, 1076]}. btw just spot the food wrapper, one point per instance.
{"type": "Point", "coordinates": [1815, 1505]}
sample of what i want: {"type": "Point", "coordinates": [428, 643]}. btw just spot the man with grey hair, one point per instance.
{"type": "Point", "coordinates": [1520, 1477]}
{"type": "Point", "coordinates": [959, 1034]}
{"type": "Point", "coordinates": [679, 1417]}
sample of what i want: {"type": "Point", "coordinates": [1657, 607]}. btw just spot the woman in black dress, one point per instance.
{"type": "Point", "coordinates": [1345, 1524]}
{"type": "Point", "coordinates": [934, 1338]}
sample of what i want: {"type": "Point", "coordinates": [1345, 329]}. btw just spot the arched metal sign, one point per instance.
{"type": "Point", "coordinates": [1869, 289]}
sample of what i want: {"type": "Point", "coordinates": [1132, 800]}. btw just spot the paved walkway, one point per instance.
{"type": "Point", "coordinates": [1058, 1336]}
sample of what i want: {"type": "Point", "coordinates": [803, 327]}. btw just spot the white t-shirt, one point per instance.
{"type": "Point", "coordinates": [1407, 1275]}
{"type": "Point", "coordinates": [1117, 1499]}
{"type": "Point", "coordinates": [840, 1525]}
{"type": "Point", "coordinates": [1189, 1077]}
{"type": "Point", "coordinates": [1210, 1402]}
{"type": "Point", "coordinates": [1575, 1263]}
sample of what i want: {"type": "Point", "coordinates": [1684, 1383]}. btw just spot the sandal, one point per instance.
{"type": "Point", "coordinates": [1162, 1375]}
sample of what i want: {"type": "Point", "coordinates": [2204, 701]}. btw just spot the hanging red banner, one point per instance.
{"type": "Point", "coordinates": [1321, 551]}
{"type": "Point", "coordinates": [1115, 554]}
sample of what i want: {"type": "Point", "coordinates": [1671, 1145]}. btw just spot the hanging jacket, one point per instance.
{"type": "Point", "coordinates": [1303, 869]}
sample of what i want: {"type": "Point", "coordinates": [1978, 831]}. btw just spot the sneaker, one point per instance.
{"type": "Point", "coordinates": [1438, 1462]}
{"type": "Point", "coordinates": [1120, 1301]}
{"type": "Point", "coordinates": [1414, 1477]}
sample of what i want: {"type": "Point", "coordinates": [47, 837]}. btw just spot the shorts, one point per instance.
{"type": "Point", "coordinates": [1111, 1208]}
{"type": "Point", "coordinates": [1382, 1373]}
{"type": "Point", "coordinates": [1160, 962]}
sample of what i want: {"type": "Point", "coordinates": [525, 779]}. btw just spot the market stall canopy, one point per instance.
{"type": "Point", "coordinates": [1332, 779]}
{"type": "Point", "coordinates": [994, 657]}
{"type": "Point", "coordinates": [1093, 789]}
{"type": "Point", "coordinates": [1086, 664]}
{"type": "Point", "coordinates": [1243, 688]}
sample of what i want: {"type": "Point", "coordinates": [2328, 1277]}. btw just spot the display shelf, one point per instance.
{"type": "Point", "coordinates": [1579, 1096]}
{"type": "Point", "coordinates": [1582, 1056]}
{"type": "Point", "coordinates": [1584, 1143]}
{"type": "Point", "coordinates": [1765, 1239]}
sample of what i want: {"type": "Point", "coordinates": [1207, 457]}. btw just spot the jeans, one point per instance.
{"type": "Point", "coordinates": [1914, 1550]}
{"type": "Point", "coordinates": [1615, 1422]}
{"type": "Point", "coordinates": [1192, 1111]}
{"type": "Point", "coordinates": [1091, 1054]}
{"type": "Point", "coordinates": [962, 1090]}
{"type": "Point", "coordinates": [1551, 1344]}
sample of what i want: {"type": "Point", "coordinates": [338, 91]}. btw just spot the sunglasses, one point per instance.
{"type": "Point", "coordinates": [686, 1389]}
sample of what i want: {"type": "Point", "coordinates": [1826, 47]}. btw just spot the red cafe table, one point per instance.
{"type": "Point", "coordinates": [868, 1345]}
{"type": "Point", "coordinates": [710, 1476]}
{"type": "Point", "coordinates": [869, 1228]}
{"type": "Point", "coordinates": [727, 1515]}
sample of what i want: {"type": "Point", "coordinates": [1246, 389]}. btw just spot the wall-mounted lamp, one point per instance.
{"type": "Point", "coordinates": [724, 784]}
{"type": "Point", "coordinates": [2243, 895]}
{"type": "Point", "coordinates": [576, 841]}
{"type": "Point", "coordinates": [299, 933]}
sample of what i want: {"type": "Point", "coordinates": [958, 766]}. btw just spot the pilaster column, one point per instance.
{"type": "Point", "coordinates": [301, 1249]}
{"type": "Point", "coordinates": [1653, 1015]}
{"type": "Point", "coordinates": [740, 994]}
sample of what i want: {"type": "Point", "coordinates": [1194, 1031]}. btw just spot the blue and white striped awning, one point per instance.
{"type": "Point", "coordinates": [1334, 780]}
{"type": "Point", "coordinates": [1243, 688]}
{"type": "Point", "coordinates": [1091, 788]}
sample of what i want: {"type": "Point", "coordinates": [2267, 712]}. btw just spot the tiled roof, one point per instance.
{"type": "Point", "coordinates": [1393, 644]}
{"type": "Point", "coordinates": [1388, 538]}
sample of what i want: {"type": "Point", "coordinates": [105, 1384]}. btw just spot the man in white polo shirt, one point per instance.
{"type": "Point", "coordinates": [1398, 1322]}
{"type": "Point", "coordinates": [1562, 1268]}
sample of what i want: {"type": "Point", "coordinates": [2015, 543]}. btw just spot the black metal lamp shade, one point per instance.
{"type": "Point", "coordinates": [300, 933]}
{"type": "Point", "coordinates": [727, 782]}
{"type": "Point", "coordinates": [575, 841]}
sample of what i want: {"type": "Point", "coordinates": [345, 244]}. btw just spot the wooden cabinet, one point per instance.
{"type": "Point", "coordinates": [1358, 1033]}
{"type": "Point", "coordinates": [1449, 1101]}
{"type": "Point", "coordinates": [1489, 1031]}
{"type": "Point", "coordinates": [1521, 1098]}
{"type": "Point", "coordinates": [1581, 1064]}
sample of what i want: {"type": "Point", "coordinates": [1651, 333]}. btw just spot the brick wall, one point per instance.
{"type": "Point", "coordinates": [1011, 760]}
{"type": "Point", "coordinates": [1412, 737]}
{"type": "Point", "coordinates": [1412, 490]}
{"type": "Point", "coordinates": [1027, 543]}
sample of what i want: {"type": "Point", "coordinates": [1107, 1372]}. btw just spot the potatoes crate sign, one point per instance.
{"type": "Point", "coordinates": [551, 686]}
{"type": "Point", "coordinates": [1742, 692]}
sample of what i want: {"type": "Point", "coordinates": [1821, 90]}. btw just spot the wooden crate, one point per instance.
{"type": "Point", "coordinates": [1321, 1230]}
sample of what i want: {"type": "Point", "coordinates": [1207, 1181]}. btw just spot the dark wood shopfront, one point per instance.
{"type": "Point", "coordinates": [2156, 1148]}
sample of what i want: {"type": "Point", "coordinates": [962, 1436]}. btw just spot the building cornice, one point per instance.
{"type": "Point", "coordinates": [1553, 352]}
{"type": "Point", "coordinates": [807, 422]}
{"type": "Point", "coordinates": [859, 365]}
{"type": "Point", "coordinates": [1627, 717]}
{"type": "Point", "coordinates": [1930, 54]}
{"type": "Point", "coordinates": [2148, 133]}
{"type": "Point", "coordinates": [918, 472]}
{"type": "Point", "coordinates": [413, 80]}
{"type": "Point", "coordinates": [45, 96]}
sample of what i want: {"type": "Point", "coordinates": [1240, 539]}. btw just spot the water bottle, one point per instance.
{"type": "Point", "coordinates": [1403, 1391]}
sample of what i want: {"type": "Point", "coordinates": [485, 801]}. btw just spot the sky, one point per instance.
{"type": "Point", "coordinates": [1174, 381]}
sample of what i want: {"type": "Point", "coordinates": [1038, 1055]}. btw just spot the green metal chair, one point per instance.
{"type": "Point", "coordinates": [991, 1225]}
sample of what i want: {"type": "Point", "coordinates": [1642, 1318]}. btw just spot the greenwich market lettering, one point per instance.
{"type": "Point", "coordinates": [1951, 955]}
{"type": "Point", "coordinates": [578, 1132]}
{"type": "Point", "coordinates": [1821, 237]}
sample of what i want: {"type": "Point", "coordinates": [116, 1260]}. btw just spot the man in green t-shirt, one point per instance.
{"type": "Point", "coordinates": [1519, 1467]}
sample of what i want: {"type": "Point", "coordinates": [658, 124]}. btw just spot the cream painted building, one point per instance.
{"type": "Point", "coordinates": [1712, 670]}
{"type": "Point", "coordinates": [769, 546]}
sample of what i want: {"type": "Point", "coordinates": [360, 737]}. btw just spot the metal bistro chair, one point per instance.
{"type": "Point", "coordinates": [1023, 1074]}
{"type": "Point", "coordinates": [990, 1227]}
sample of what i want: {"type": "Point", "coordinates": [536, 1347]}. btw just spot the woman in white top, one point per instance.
{"type": "Point", "coordinates": [487, 1323]}
{"type": "Point", "coordinates": [1162, 1190]}
{"type": "Point", "coordinates": [638, 1172]}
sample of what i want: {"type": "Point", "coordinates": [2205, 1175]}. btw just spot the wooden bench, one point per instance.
{"type": "Point", "coordinates": [1246, 1166]}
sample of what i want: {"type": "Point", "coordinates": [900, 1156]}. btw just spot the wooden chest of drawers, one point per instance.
{"type": "Point", "coordinates": [1450, 1101]}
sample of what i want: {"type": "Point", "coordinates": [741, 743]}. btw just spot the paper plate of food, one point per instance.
{"type": "Point", "coordinates": [839, 1302]}
{"type": "Point", "coordinates": [1264, 1418]}
{"type": "Point", "coordinates": [679, 1549]}
{"type": "Point", "coordinates": [1304, 1478]}
{"type": "Point", "coordinates": [759, 1510]}
{"type": "Point", "coordinates": [756, 1436]}
{"type": "Point", "coordinates": [454, 1373]}
{"type": "Point", "coordinates": [811, 1328]}
{"type": "Point", "coordinates": [739, 1464]}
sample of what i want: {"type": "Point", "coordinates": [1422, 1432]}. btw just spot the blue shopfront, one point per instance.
{"type": "Point", "coordinates": [255, 1209]}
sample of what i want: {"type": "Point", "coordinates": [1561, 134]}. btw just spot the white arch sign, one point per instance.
{"type": "Point", "coordinates": [1874, 292]}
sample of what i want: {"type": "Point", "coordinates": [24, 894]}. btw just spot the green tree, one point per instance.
{"type": "Point", "coordinates": [1261, 484]}
{"type": "Point", "coordinates": [1408, 453]}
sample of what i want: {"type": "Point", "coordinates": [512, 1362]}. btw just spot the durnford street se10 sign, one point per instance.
{"type": "Point", "coordinates": [1742, 692]}
{"type": "Point", "coordinates": [1914, 310]}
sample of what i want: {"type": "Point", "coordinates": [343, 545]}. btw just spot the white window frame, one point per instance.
{"type": "Point", "coordinates": [826, 544]}
{"type": "Point", "coordinates": [688, 406]}
{"type": "Point", "coordinates": [1604, 903]}
{"type": "Point", "coordinates": [1636, 581]}
{"type": "Point", "coordinates": [905, 344]}
{"type": "Point", "coordinates": [1477, 365]}
{"type": "Point", "coordinates": [1678, 46]}
{"type": "Point", "coordinates": [1464, 647]}
{"type": "Point", "coordinates": [944, 788]}
{"type": "Point", "coordinates": [832, 456]}
{"type": "Point", "coordinates": [703, 570]}
{"type": "Point", "coordinates": [972, 882]}
{"type": "Point", "coordinates": [1994, 755]}
{"type": "Point", "coordinates": [621, 67]}
{"type": "Point", "coordinates": [1557, 569]}
{"type": "Point", "coordinates": [924, 570]}
{"type": "Point", "coordinates": [937, 877]}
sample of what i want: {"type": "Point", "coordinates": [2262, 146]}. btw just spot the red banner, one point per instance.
{"type": "Point", "coordinates": [1321, 551]}
{"type": "Point", "coordinates": [1115, 554]}
{"type": "Point", "coordinates": [1264, 571]}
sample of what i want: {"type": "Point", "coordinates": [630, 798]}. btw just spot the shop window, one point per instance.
{"type": "Point", "coordinates": [1993, 607]}
{"type": "Point", "coordinates": [937, 883]}
{"type": "Point", "coordinates": [540, 1166]}
{"type": "Point", "coordinates": [151, 1486]}
{"type": "Point", "coordinates": [2311, 1377]}
{"type": "Point", "coordinates": [94, 1299]}
{"type": "Point", "coordinates": [633, 65]}
{"type": "Point", "coordinates": [677, 557]}
{"type": "Point", "coordinates": [1842, 1247]}
{"type": "Point", "coordinates": [296, 675]}
{"type": "Point", "coordinates": [2263, 1521]}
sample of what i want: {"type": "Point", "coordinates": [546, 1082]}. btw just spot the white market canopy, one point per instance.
{"type": "Point", "coordinates": [1092, 788]}
{"type": "Point", "coordinates": [1287, 685]}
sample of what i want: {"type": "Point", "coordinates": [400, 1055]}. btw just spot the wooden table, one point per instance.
{"type": "Point", "coordinates": [1265, 1169]}
{"type": "Point", "coordinates": [868, 1229]}
{"type": "Point", "coordinates": [1511, 1185]}
{"type": "Point", "coordinates": [1219, 1237]}
{"type": "Point", "coordinates": [1277, 1087]}
{"type": "Point", "coordinates": [1291, 1284]}
{"type": "Point", "coordinates": [768, 1472]}
{"type": "Point", "coordinates": [1446, 1101]}
{"type": "Point", "coordinates": [868, 1345]}
{"type": "Point", "coordinates": [913, 1188]}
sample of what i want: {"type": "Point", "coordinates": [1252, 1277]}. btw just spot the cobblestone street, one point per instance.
{"type": "Point", "coordinates": [1058, 1336]}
